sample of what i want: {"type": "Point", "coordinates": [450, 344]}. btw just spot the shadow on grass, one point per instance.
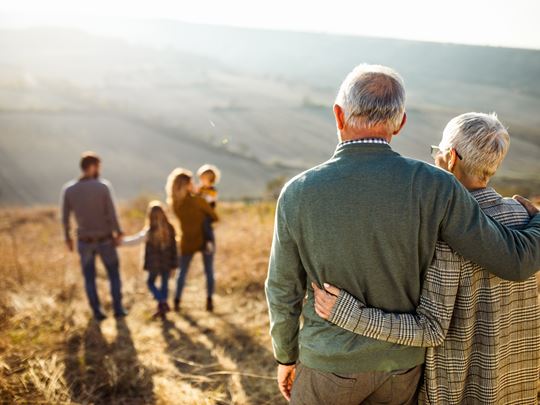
{"type": "Point", "coordinates": [253, 360]}
{"type": "Point", "coordinates": [101, 373]}
{"type": "Point", "coordinates": [194, 361]}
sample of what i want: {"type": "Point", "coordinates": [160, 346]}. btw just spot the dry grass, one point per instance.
{"type": "Point", "coordinates": [52, 352]}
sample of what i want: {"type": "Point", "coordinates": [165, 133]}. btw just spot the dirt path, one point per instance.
{"type": "Point", "coordinates": [192, 357]}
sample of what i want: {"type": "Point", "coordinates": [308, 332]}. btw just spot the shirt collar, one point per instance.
{"type": "Point", "coordinates": [365, 140]}
{"type": "Point", "coordinates": [362, 146]}
{"type": "Point", "coordinates": [486, 196]}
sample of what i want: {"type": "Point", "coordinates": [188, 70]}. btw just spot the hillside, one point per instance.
{"type": "Point", "coordinates": [150, 96]}
{"type": "Point", "coordinates": [52, 352]}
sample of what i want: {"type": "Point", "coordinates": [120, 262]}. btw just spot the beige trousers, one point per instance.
{"type": "Point", "coordinates": [314, 387]}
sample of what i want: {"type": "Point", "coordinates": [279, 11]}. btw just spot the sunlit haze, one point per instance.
{"type": "Point", "coordinates": [482, 22]}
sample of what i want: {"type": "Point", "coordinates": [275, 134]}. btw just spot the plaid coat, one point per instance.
{"type": "Point", "coordinates": [482, 332]}
{"type": "Point", "coordinates": [161, 260]}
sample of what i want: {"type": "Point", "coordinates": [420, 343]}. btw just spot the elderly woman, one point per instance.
{"type": "Point", "coordinates": [482, 330]}
{"type": "Point", "coordinates": [191, 211]}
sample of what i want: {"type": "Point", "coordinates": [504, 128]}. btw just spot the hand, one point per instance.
{"type": "Point", "coordinates": [69, 244]}
{"type": "Point", "coordinates": [118, 239]}
{"type": "Point", "coordinates": [528, 205]}
{"type": "Point", "coordinates": [325, 299]}
{"type": "Point", "coordinates": [285, 377]}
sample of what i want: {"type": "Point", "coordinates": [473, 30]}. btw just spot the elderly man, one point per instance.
{"type": "Point", "coordinates": [464, 311]}
{"type": "Point", "coordinates": [369, 219]}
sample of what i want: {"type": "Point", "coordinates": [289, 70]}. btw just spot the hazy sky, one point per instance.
{"type": "Point", "coordinates": [486, 22]}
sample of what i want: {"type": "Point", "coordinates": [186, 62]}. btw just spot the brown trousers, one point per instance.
{"type": "Point", "coordinates": [314, 387]}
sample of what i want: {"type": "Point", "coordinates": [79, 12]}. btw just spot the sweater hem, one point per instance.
{"type": "Point", "coordinates": [379, 360]}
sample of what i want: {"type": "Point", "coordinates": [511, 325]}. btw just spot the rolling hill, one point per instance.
{"type": "Point", "coordinates": [152, 95]}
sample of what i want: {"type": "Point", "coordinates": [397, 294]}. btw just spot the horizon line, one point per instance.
{"type": "Point", "coordinates": [56, 22]}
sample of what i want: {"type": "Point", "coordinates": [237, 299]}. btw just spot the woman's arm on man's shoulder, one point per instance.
{"type": "Point", "coordinates": [508, 253]}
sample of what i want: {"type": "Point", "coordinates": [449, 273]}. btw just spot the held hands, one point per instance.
{"type": "Point", "coordinates": [118, 239]}
{"type": "Point", "coordinates": [528, 205]}
{"type": "Point", "coordinates": [325, 299]}
{"type": "Point", "coordinates": [285, 377]}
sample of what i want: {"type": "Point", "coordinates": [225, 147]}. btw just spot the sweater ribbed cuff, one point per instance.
{"type": "Point", "coordinates": [285, 364]}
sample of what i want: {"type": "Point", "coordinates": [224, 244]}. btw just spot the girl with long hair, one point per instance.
{"type": "Point", "coordinates": [160, 253]}
{"type": "Point", "coordinates": [191, 211]}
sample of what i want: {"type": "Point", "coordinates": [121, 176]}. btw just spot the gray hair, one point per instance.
{"type": "Point", "coordinates": [480, 139]}
{"type": "Point", "coordinates": [371, 95]}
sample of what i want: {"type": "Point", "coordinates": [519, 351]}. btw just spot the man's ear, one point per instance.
{"type": "Point", "coordinates": [339, 114]}
{"type": "Point", "coordinates": [452, 159]}
{"type": "Point", "coordinates": [403, 122]}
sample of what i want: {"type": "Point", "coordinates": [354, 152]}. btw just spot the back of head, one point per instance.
{"type": "Point", "coordinates": [156, 211]}
{"type": "Point", "coordinates": [480, 139]}
{"type": "Point", "coordinates": [211, 170]}
{"type": "Point", "coordinates": [177, 187]}
{"type": "Point", "coordinates": [372, 95]}
{"type": "Point", "coordinates": [159, 228]}
{"type": "Point", "coordinates": [89, 160]}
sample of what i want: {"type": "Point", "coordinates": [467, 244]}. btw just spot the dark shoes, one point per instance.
{"type": "Point", "coordinates": [99, 316]}
{"type": "Point", "coordinates": [161, 311]}
{"type": "Point", "coordinates": [209, 305]}
{"type": "Point", "coordinates": [120, 314]}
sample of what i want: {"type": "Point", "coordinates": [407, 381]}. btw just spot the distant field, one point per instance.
{"type": "Point", "coordinates": [256, 103]}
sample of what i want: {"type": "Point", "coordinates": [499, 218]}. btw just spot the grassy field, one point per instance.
{"type": "Point", "coordinates": [52, 352]}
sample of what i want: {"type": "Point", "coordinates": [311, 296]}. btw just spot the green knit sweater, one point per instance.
{"type": "Point", "coordinates": [367, 221]}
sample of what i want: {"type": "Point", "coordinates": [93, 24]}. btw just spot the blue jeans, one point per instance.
{"type": "Point", "coordinates": [160, 294]}
{"type": "Point", "coordinates": [185, 261]}
{"type": "Point", "coordinates": [109, 257]}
